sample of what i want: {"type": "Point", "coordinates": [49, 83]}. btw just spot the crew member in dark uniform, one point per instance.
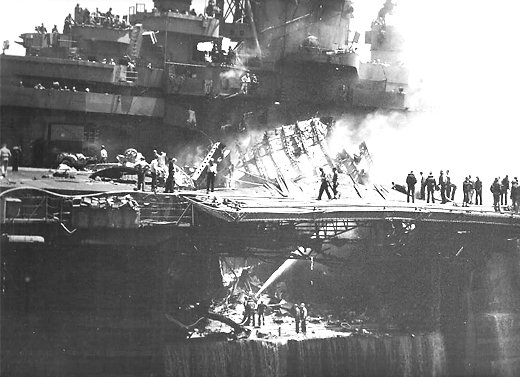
{"type": "Point", "coordinates": [466, 187]}
{"type": "Point", "coordinates": [303, 318]}
{"type": "Point", "coordinates": [249, 312]}
{"type": "Point", "coordinates": [496, 190]}
{"type": "Point", "coordinates": [448, 185]}
{"type": "Point", "coordinates": [170, 181]}
{"type": "Point", "coordinates": [410, 182]}
{"type": "Point", "coordinates": [335, 183]}
{"type": "Point", "coordinates": [16, 156]}
{"type": "Point", "coordinates": [478, 191]}
{"type": "Point", "coordinates": [514, 189]}
{"type": "Point", "coordinates": [430, 186]}
{"type": "Point", "coordinates": [442, 184]}
{"type": "Point", "coordinates": [505, 189]}
{"type": "Point", "coordinates": [260, 309]}
{"type": "Point", "coordinates": [515, 195]}
{"type": "Point", "coordinates": [423, 186]}
{"type": "Point", "coordinates": [210, 177]}
{"type": "Point", "coordinates": [297, 317]}
{"type": "Point", "coordinates": [141, 167]}
{"type": "Point", "coordinates": [324, 184]}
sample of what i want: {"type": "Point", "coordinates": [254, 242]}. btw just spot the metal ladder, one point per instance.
{"type": "Point", "coordinates": [136, 39]}
{"type": "Point", "coordinates": [198, 173]}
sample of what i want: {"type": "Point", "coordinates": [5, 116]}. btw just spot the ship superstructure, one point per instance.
{"type": "Point", "coordinates": [156, 78]}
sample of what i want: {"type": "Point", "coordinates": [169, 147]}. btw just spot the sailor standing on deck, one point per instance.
{"type": "Point", "coordinates": [303, 318]}
{"type": "Point", "coordinates": [471, 189]}
{"type": "Point", "coordinates": [466, 186]}
{"type": "Point", "coordinates": [161, 167]}
{"type": "Point", "coordinates": [16, 157]}
{"type": "Point", "coordinates": [505, 189]}
{"type": "Point", "coordinates": [103, 155]}
{"type": "Point", "coordinates": [335, 183]}
{"type": "Point", "coordinates": [260, 309]}
{"type": "Point", "coordinates": [448, 184]}
{"type": "Point", "coordinates": [5, 155]}
{"type": "Point", "coordinates": [246, 81]}
{"type": "Point", "coordinates": [442, 184]}
{"type": "Point", "coordinates": [515, 195]}
{"type": "Point", "coordinates": [170, 181]}
{"type": "Point", "coordinates": [430, 186]}
{"type": "Point", "coordinates": [324, 185]}
{"type": "Point", "coordinates": [478, 191]}
{"type": "Point", "coordinates": [297, 317]}
{"type": "Point", "coordinates": [161, 158]}
{"type": "Point", "coordinates": [141, 167]}
{"type": "Point", "coordinates": [423, 186]}
{"type": "Point", "coordinates": [249, 312]}
{"type": "Point", "coordinates": [154, 169]}
{"type": "Point", "coordinates": [514, 189]}
{"type": "Point", "coordinates": [496, 190]}
{"type": "Point", "coordinates": [210, 176]}
{"type": "Point", "coordinates": [410, 182]}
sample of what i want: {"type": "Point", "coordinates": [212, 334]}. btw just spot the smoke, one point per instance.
{"type": "Point", "coordinates": [231, 74]}
{"type": "Point", "coordinates": [459, 54]}
{"type": "Point", "coordinates": [427, 142]}
{"type": "Point", "coordinates": [190, 155]}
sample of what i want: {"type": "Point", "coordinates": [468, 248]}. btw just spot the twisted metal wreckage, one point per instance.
{"type": "Point", "coordinates": [280, 224]}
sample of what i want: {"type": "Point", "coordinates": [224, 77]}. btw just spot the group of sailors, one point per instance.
{"type": "Point", "coordinates": [500, 189]}
{"type": "Point", "coordinates": [15, 155]}
{"type": "Point", "coordinates": [162, 170]}
{"type": "Point", "coordinates": [191, 12]}
{"type": "Point", "coordinates": [248, 82]}
{"type": "Point", "coordinates": [84, 17]}
{"type": "Point", "coordinates": [256, 310]}
{"type": "Point", "coordinates": [221, 56]}
{"type": "Point", "coordinates": [327, 182]}
{"type": "Point", "coordinates": [472, 189]}
{"type": "Point", "coordinates": [429, 185]}
{"type": "Point", "coordinates": [252, 311]}
{"type": "Point", "coordinates": [41, 29]}
{"type": "Point", "coordinates": [55, 85]}
{"type": "Point", "coordinates": [51, 39]}
{"type": "Point", "coordinates": [97, 18]}
{"type": "Point", "coordinates": [300, 318]}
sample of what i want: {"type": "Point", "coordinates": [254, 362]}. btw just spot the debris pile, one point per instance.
{"type": "Point", "coordinates": [75, 160]}
{"type": "Point", "coordinates": [64, 171]}
{"type": "Point", "coordinates": [132, 165]}
{"type": "Point", "coordinates": [251, 310]}
{"type": "Point", "coordinates": [106, 211]}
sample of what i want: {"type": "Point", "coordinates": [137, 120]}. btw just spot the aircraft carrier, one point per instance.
{"type": "Point", "coordinates": [100, 279]}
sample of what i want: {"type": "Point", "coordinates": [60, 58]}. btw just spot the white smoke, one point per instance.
{"type": "Point", "coordinates": [190, 155]}
{"type": "Point", "coordinates": [463, 56]}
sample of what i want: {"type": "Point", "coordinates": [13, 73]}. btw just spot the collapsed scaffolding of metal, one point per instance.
{"type": "Point", "coordinates": [289, 156]}
{"type": "Point", "coordinates": [285, 160]}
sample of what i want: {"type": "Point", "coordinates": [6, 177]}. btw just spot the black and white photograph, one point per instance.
{"type": "Point", "coordinates": [259, 188]}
